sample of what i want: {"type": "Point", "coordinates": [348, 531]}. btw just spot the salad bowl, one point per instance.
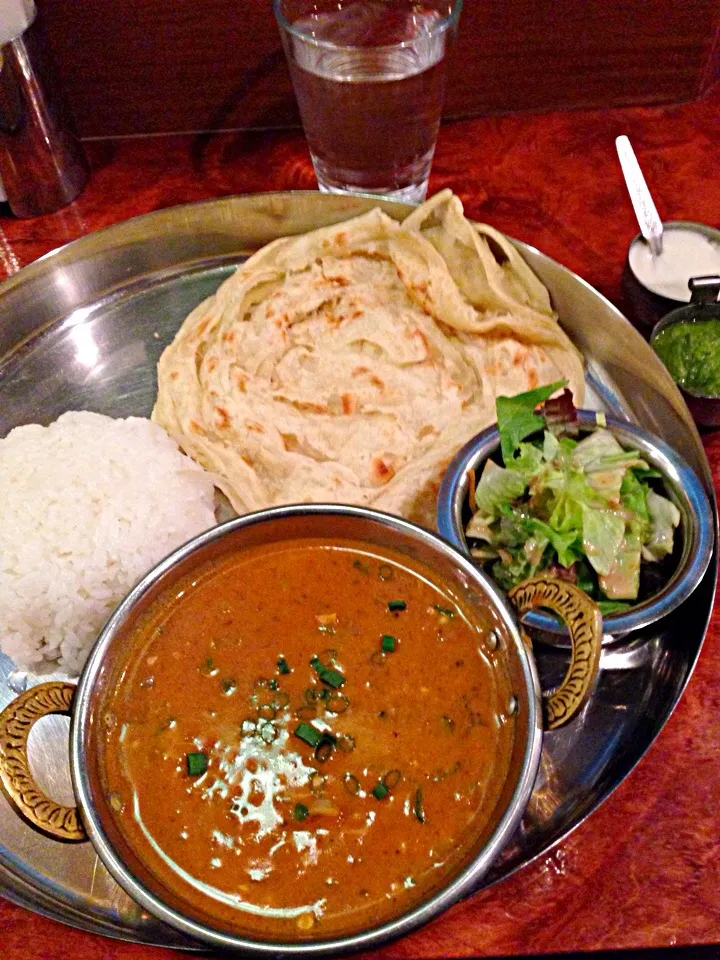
{"type": "Point", "coordinates": [683, 567]}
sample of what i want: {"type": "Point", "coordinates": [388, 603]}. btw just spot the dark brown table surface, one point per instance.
{"type": "Point", "coordinates": [644, 869]}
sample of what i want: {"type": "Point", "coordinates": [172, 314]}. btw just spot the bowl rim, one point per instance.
{"type": "Point", "coordinates": [458, 887]}
{"type": "Point", "coordinates": [686, 485]}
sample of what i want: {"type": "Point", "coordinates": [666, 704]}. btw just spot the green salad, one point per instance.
{"type": "Point", "coordinates": [579, 507]}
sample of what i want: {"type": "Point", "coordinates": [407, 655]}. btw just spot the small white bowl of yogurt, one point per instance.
{"type": "Point", "coordinates": [659, 284]}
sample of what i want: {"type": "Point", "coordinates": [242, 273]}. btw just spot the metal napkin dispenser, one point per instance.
{"type": "Point", "coordinates": [42, 164]}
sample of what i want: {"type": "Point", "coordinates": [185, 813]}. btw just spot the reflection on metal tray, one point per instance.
{"type": "Point", "coordinates": [83, 328]}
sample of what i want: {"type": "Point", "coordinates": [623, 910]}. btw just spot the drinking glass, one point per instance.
{"type": "Point", "coordinates": [369, 76]}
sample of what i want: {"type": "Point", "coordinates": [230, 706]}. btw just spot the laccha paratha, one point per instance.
{"type": "Point", "coordinates": [349, 364]}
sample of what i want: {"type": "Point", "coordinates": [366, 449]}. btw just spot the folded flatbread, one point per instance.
{"type": "Point", "coordinates": [349, 364]}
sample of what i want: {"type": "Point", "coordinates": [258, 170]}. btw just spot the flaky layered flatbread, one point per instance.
{"type": "Point", "coordinates": [350, 364]}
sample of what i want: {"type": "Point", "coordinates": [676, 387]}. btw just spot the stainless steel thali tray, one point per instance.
{"type": "Point", "coordinates": [83, 328]}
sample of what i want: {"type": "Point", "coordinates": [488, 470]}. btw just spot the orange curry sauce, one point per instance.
{"type": "Point", "coordinates": [279, 838]}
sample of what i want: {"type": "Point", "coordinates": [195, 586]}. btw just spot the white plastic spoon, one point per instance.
{"type": "Point", "coordinates": [645, 210]}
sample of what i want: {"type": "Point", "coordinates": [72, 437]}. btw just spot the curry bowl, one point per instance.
{"type": "Point", "coordinates": [307, 731]}
{"type": "Point", "coordinates": [681, 572]}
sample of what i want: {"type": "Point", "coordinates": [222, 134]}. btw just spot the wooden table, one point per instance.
{"type": "Point", "coordinates": [644, 870]}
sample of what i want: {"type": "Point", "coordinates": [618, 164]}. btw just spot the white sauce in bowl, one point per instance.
{"type": "Point", "coordinates": [686, 253]}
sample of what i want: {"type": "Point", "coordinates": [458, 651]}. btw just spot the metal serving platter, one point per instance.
{"type": "Point", "coordinates": [83, 328]}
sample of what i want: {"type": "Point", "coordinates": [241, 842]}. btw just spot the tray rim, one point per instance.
{"type": "Point", "coordinates": [93, 242]}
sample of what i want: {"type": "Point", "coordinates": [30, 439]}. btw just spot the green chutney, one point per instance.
{"type": "Point", "coordinates": [691, 352]}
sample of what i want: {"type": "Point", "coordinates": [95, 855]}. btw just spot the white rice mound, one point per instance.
{"type": "Point", "coordinates": [87, 506]}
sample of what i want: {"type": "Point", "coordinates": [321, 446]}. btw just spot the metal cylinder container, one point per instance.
{"type": "Point", "coordinates": [42, 164]}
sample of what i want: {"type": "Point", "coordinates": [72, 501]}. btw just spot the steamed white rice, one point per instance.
{"type": "Point", "coordinates": [87, 506]}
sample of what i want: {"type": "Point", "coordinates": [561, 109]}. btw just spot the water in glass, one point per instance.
{"type": "Point", "coordinates": [369, 76]}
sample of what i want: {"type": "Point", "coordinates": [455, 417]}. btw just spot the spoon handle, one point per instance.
{"type": "Point", "coordinates": [645, 209]}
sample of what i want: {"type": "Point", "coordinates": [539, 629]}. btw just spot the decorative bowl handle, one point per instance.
{"type": "Point", "coordinates": [584, 623]}
{"type": "Point", "coordinates": [16, 722]}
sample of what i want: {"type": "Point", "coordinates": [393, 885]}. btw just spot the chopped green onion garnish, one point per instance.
{"type": "Point", "coordinates": [197, 764]}
{"type": "Point", "coordinates": [283, 666]}
{"type": "Point", "coordinates": [397, 605]}
{"type": "Point", "coordinates": [333, 678]}
{"type": "Point", "coordinates": [300, 811]}
{"type": "Point", "coordinates": [380, 791]}
{"type": "Point", "coordinates": [445, 611]}
{"type": "Point", "coordinates": [273, 684]}
{"type": "Point", "coordinates": [308, 733]}
{"type": "Point", "coordinates": [388, 643]}
{"type": "Point", "coordinates": [418, 805]}
{"type": "Point", "coordinates": [228, 686]}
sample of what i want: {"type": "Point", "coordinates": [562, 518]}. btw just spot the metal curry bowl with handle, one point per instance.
{"type": "Point", "coordinates": [529, 710]}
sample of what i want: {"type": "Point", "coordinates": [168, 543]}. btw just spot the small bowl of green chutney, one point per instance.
{"type": "Point", "coordinates": [688, 343]}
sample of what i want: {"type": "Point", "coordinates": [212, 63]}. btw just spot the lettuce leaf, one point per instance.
{"type": "Point", "coordinates": [605, 464]}
{"type": "Point", "coordinates": [567, 544]}
{"type": "Point", "coordinates": [633, 498]}
{"type": "Point", "coordinates": [664, 517]}
{"type": "Point", "coordinates": [498, 487]}
{"type": "Point", "coordinates": [603, 533]}
{"type": "Point", "coordinates": [528, 460]}
{"type": "Point", "coordinates": [479, 527]}
{"type": "Point", "coordinates": [566, 515]}
{"type": "Point", "coordinates": [601, 451]}
{"type": "Point", "coordinates": [647, 473]}
{"type": "Point", "coordinates": [599, 444]}
{"type": "Point", "coordinates": [517, 419]}
{"type": "Point", "coordinates": [586, 578]}
{"type": "Point", "coordinates": [622, 580]}
{"type": "Point", "coordinates": [612, 606]}
{"type": "Point", "coordinates": [551, 445]}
